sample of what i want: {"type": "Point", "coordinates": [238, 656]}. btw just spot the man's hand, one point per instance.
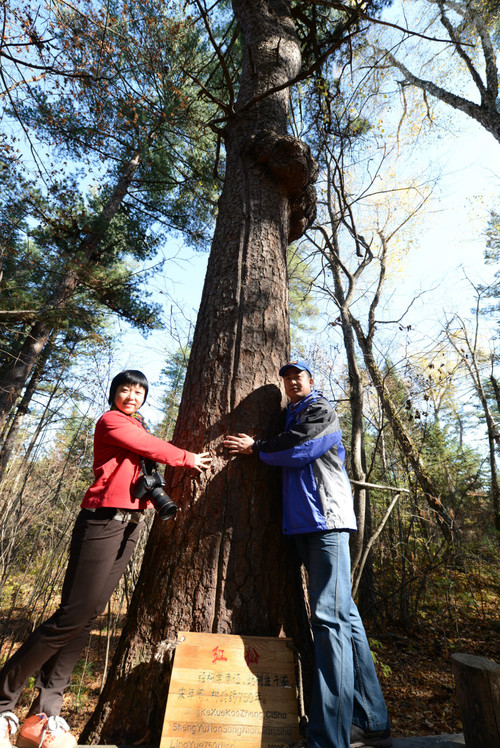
{"type": "Point", "coordinates": [241, 444]}
{"type": "Point", "coordinates": [202, 461]}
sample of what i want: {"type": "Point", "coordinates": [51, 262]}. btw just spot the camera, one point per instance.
{"type": "Point", "coordinates": [150, 485]}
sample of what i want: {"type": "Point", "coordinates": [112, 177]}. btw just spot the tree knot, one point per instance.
{"type": "Point", "coordinates": [289, 163]}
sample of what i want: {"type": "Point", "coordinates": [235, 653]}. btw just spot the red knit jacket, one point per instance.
{"type": "Point", "coordinates": [119, 443]}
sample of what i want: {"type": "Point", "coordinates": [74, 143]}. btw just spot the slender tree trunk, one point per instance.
{"type": "Point", "coordinates": [12, 435]}
{"type": "Point", "coordinates": [15, 376]}
{"type": "Point", "coordinates": [362, 576]}
{"type": "Point", "coordinates": [365, 342]}
{"type": "Point", "coordinates": [444, 519]}
{"type": "Point", "coordinates": [493, 443]}
{"type": "Point", "coordinates": [358, 466]}
{"type": "Point", "coordinates": [496, 389]}
{"type": "Point", "coordinates": [17, 373]}
{"type": "Point", "coordinates": [47, 414]}
{"type": "Point", "coordinates": [337, 206]}
{"type": "Point", "coordinates": [223, 565]}
{"type": "Point", "coordinates": [356, 401]}
{"type": "Point", "coordinates": [471, 363]}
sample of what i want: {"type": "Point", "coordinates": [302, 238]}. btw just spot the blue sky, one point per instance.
{"type": "Point", "coordinates": [446, 249]}
{"type": "Point", "coordinates": [449, 247]}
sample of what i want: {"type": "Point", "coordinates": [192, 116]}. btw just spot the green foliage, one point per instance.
{"type": "Point", "coordinates": [82, 673]}
{"type": "Point", "coordinates": [322, 26]}
{"type": "Point", "coordinates": [173, 375]}
{"type": "Point", "coordinates": [329, 39]}
{"type": "Point", "coordinates": [456, 468]}
{"type": "Point", "coordinates": [129, 90]}
{"type": "Point", "coordinates": [376, 646]}
{"type": "Point", "coordinates": [117, 102]}
{"type": "Point", "coordinates": [303, 309]}
{"type": "Point", "coordinates": [492, 257]}
{"type": "Point", "coordinates": [47, 253]}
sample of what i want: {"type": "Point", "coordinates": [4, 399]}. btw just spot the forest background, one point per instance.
{"type": "Point", "coordinates": [113, 154]}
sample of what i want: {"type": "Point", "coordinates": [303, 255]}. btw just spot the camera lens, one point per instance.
{"type": "Point", "coordinates": [163, 504]}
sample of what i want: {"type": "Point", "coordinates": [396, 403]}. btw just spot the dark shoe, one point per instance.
{"type": "Point", "coordinates": [361, 738]}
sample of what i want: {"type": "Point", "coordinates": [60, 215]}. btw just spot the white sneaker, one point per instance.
{"type": "Point", "coordinates": [9, 724]}
{"type": "Point", "coordinates": [40, 731]}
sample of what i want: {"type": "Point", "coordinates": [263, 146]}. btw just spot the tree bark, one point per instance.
{"type": "Point", "coordinates": [477, 681]}
{"type": "Point", "coordinates": [10, 440]}
{"type": "Point", "coordinates": [223, 565]}
{"type": "Point", "coordinates": [496, 389]}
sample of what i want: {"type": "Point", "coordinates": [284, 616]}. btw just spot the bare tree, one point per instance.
{"type": "Point", "coordinates": [468, 29]}
{"type": "Point", "coordinates": [340, 214]}
{"type": "Point", "coordinates": [466, 341]}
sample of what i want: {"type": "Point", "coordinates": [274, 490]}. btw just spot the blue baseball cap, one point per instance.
{"type": "Point", "coordinates": [298, 364]}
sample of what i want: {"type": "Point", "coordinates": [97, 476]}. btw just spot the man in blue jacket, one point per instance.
{"type": "Point", "coordinates": [347, 707]}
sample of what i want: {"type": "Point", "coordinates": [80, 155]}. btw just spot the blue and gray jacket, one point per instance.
{"type": "Point", "coordinates": [316, 490]}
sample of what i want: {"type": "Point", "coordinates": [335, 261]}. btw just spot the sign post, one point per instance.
{"type": "Point", "coordinates": [230, 691]}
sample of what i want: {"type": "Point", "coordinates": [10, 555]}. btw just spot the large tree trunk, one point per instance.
{"type": "Point", "coordinates": [223, 565]}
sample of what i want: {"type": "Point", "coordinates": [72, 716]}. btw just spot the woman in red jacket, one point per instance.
{"type": "Point", "coordinates": [104, 537]}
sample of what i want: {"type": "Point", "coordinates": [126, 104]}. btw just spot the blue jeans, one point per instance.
{"type": "Point", "coordinates": [346, 688]}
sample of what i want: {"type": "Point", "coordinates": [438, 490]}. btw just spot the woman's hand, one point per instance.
{"type": "Point", "coordinates": [202, 461]}
{"type": "Point", "coordinates": [241, 444]}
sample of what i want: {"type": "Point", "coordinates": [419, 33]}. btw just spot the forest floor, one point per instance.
{"type": "Point", "coordinates": [413, 662]}
{"type": "Point", "coordinates": [414, 666]}
{"type": "Point", "coordinates": [419, 690]}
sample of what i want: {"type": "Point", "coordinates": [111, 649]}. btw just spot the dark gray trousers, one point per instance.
{"type": "Point", "coordinates": [100, 550]}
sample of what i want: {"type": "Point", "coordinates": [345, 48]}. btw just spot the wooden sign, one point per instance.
{"type": "Point", "coordinates": [229, 691]}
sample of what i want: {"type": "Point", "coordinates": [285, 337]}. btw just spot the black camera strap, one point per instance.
{"type": "Point", "coordinates": [147, 463]}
